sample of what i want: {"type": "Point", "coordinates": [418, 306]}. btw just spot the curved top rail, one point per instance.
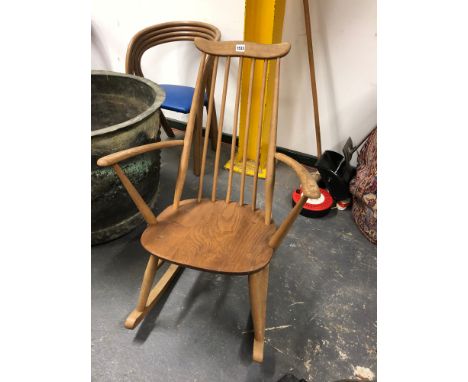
{"type": "Point", "coordinates": [243, 48]}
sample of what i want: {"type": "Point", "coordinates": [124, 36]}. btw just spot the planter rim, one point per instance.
{"type": "Point", "coordinates": [158, 100]}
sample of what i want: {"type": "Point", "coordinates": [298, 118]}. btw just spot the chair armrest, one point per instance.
{"type": "Point", "coordinates": [113, 159]}
{"type": "Point", "coordinates": [310, 189]}
{"type": "Point", "coordinates": [119, 156]}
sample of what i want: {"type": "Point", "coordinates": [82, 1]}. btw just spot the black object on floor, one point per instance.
{"type": "Point", "coordinates": [336, 172]}
{"type": "Point", "coordinates": [291, 378]}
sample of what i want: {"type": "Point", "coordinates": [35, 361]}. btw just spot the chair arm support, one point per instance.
{"type": "Point", "coordinates": [119, 156]}
{"type": "Point", "coordinates": [310, 189]}
{"type": "Point", "coordinates": [283, 229]}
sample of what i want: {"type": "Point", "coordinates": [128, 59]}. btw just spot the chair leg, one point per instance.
{"type": "Point", "coordinates": [147, 283]}
{"type": "Point", "coordinates": [214, 119]}
{"type": "Point", "coordinates": [197, 143]}
{"type": "Point", "coordinates": [148, 297]}
{"type": "Point", "coordinates": [165, 125]}
{"type": "Point", "coordinates": [214, 129]}
{"type": "Point", "coordinates": [258, 288]}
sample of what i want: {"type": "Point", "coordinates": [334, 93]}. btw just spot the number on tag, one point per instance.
{"type": "Point", "coordinates": [240, 47]}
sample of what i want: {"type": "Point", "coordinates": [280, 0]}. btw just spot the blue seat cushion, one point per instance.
{"type": "Point", "coordinates": [178, 98]}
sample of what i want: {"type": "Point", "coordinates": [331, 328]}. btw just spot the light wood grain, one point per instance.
{"type": "Point", "coordinates": [259, 135]}
{"type": "Point", "coordinates": [183, 164]}
{"type": "Point", "coordinates": [147, 283]}
{"type": "Point", "coordinates": [252, 49]}
{"type": "Point", "coordinates": [122, 155]}
{"type": "Point", "coordinates": [258, 291]}
{"type": "Point", "coordinates": [136, 197]}
{"type": "Point", "coordinates": [234, 129]}
{"type": "Point", "coordinates": [246, 132]}
{"type": "Point", "coordinates": [283, 229]}
{"type": "Point", "coordinates": [164, 33]}
{"type": "Point", "coordinates": [136, 316]}
{"type": "Point", "coordinates": [270, 168]}
{"type": "Point", "coordinates": [308, 180]}
{"type": "Point", "coordinates": [211, 236]}
{"type": "Point", "coordinates": [208, 88]}
{"type": "Point", "coordinates": [208, 127]}
{"type": "Point", "coordinates": [220, 129]}
{"type": "Point", "coordinates": [217, 235]}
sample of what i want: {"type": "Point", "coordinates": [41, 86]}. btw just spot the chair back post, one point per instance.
{"type": "Point", "coordinates": [183, 164]}
{"type": "Point", "coordinates": [270, 170]}
{"type": "Point", "coordinates": [220, 129]}
{"type": "Point", "coordinates": [234, 128]}
{"type": "Point", "coordinates": [213, 71]}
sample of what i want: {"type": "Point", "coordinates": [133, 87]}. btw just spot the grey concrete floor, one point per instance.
{"type": "Point", "coordinates": [321, 312]}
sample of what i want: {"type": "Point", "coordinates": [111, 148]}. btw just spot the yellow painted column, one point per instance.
{"type": "Point", "coordinates": [263, 23]}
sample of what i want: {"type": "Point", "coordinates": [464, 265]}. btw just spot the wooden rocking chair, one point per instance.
{"type": "Point", "coordinates": [210, 234]}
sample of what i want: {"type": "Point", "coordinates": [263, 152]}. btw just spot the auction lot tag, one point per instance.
{"type": "Point", "coordinates": [240, 47]}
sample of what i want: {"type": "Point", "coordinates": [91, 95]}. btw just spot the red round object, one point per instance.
{"type": "Point", "coordinates": [314, 209]}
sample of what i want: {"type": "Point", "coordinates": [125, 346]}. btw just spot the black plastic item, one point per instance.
{"type": "Point", "coordinates": [336, 173]}
{"type": "Point", "coordinates": [290, 378]}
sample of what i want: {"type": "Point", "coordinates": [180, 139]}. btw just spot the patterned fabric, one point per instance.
{"type": "Point", "coordinates": [363, 187]}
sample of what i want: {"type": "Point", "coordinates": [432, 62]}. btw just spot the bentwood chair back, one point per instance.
{"type": "Point", "coordinates": [178, 97]}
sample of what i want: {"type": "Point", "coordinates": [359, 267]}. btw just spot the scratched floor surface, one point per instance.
{"type": "Point", "coordinates": [321, 313]}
